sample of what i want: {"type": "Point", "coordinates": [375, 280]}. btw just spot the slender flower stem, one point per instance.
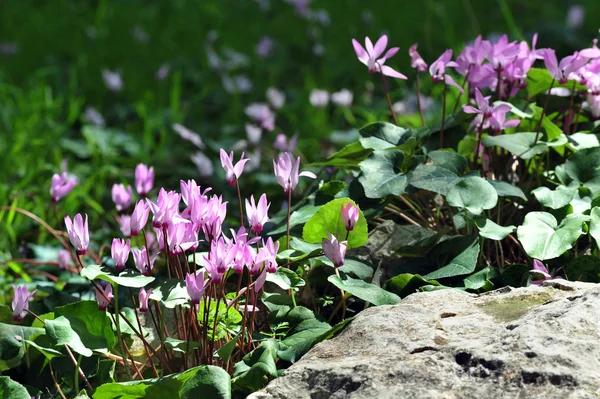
{"type": "Point", "coordinates": [419, 100]}
{"type": "Point", "coordinates": [62, 395]}
{"type": "Point", "coordinates": [289, 212]}
{"type": "Point", "coordinates": [443, 117]}
{"type": "Point", "coordinates": [118, 325]}
{"type": "Point", "coordinates": [577, 117]}
{"type": "Point", "coordinates": [78, 368]}
{"type": "Point", "coordinates": [343, 299]}
{"type": "Point", "coordinates": [479, 133]}
{"type": "Point", "coordinates": [387, 95]}
{"type": "Point", "coordinates": [135, 366]}
{"type": "Point", "coordinates": [499, 84]}
{"type": "Point", "coordinates": [137, 317]}
{"type": "Point", "coordinates": [138, 333]}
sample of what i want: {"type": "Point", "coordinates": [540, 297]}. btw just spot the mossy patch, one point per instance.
{"type": "Point", "coordinates": [511, 308]}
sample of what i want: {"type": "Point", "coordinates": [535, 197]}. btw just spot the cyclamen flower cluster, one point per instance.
{"type": "Point", "coordinates": [178, 231]}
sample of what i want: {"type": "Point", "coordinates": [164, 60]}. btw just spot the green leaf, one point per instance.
{"type": "Point", "coordinates": [226, 350]}
{"type": "Point", "coordinates": [252, 372]}
{"type": "Point", "coordinates": [348, 157]}
{"type": "Point", "coordinates": [554, 199]}
{"type": "Point", "coordinates": [480, 280]}
{"type": "Point", "coordinates": [519, 144]}
{"type": "Point", "coordinates": [462, 264]}
{"type": "Point", "coordinates": [285, 279]}
{"type": "Point", "coordinates": [439, 177]}
{"type": "Point", "coordinates": [595, 225]}
{"type": "Point", "coordinates": [94, 326]}
{"type": "Point", "coordinates": [505, 189]}
{"type": "Point", "coordinates": [202, 381]}
{"type": "Point", "coordinates": [543, 238]}
{"type": "Point", "coordinates": [473, 194]}
{"type": "Point", "coordinates": [170, 293]}
{"type": "Point", "coordinates": [581, 141]}
{"type": "Point", "coordinates": [357, 268]}
{"type": "Point", "coordinates": [381, 174]}
{"type": "Point", "coordinates": [406, 284]}
{"type": "Point", "coordinates": [128, 278]}
{"type": "Point", "coordinates": [383, 135]}
{"type": "Point", "coordinates": [584, 168]}
{"type": "Point", "coordinates": [10, 389]}
{"type": "Point", "coordinates": [365, 291]}
{"type": "Point", "coordinates": [49, 353]}
{"type": "Point", "coordinates": [11, 343]}
{"type": "Point", "coordinates": [493, 231]}
{"type": "Point", "coordinates": [328, 219]}
{"type": "Point", "coordinates": [301, 338]}
{"type": "Point", "coordinates": [61, 332]}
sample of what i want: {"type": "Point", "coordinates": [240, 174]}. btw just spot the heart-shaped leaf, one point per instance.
{"type": "Point", "coordinates": [473, 194]}
{"type": "Point", "coordinates": [543, 238]}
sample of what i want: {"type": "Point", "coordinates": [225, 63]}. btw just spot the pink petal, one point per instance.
{"type": "Point", "coordinates": [470, 110]}
{"type": "Point", "coordinates": [388, 71]}
{"type": "Point", "coordinates": [380, 46]}
{"type": "Point", "coordinates": [360, 52]}
{"type": "Point", "coordinates": [449, 81]}
{"type": "Point", "coordinates": [369, 45]}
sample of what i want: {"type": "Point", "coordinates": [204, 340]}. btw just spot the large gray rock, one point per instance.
{"type": "Point", "coordinates": [534, 342]}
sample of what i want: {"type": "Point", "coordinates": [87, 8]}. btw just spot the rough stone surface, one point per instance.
{"type": "Point", "coordinates": [534, 342]}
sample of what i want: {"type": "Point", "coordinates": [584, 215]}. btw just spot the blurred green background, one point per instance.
{"type": "Point", "coordinates": [52, 54]}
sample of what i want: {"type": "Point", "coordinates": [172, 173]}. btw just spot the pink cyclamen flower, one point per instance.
{"type": "Point", "coordinates": [20, 302]}
{"type": "Point", "coordinates": [568, 65]}
{"type": "Point", "coordinates": [78, 233]}
{"type": "Point", "coordinates": [254, 133]}
{"type": "Point", "coordinates": [139, 218]}
{"type": "Point", "coordinates": [120, 253]}
{"type": "Point", "coordinates": [64, 259]}
{"type": "Point", "coordinates": [125, 225]}
{"type": "Point", "coordinates": [416, 61]}
{"type": "Point", "coordinates": [61, 185]}
{"type": "Point", "coordinates": [121, 196]}
{"type": "Point", "coordinates": [108, 293]}
{"type": "Point", "coordinates": [369, 56]}
{"type": "Point", "coordinates": [540, 268]}
{"type": "Point", "coordinates": [143, 297]}
{"type": "Point", "coordinates": [195, 286]}
{"type": "Point", "coordinates": [438, 70]}
{"type": "Point", "coordinates": [257, 215]}
{"type": "Point", "coordinates": [144, 179]}
{"type": "Point", "coordinates": [335, 250]}
{"type": "Point", "coordinates": [349, 216]}
{"type": "Point", "coordinates": [286, 172]}
{"type": "Point", "coordinates": [141, 259]}
{"type": "Point", "coordinates": [268, 255]}
{"type": "Point", "coordinates": [165, 209]}
{"type": "Point", "coordinates": [232, 173]}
